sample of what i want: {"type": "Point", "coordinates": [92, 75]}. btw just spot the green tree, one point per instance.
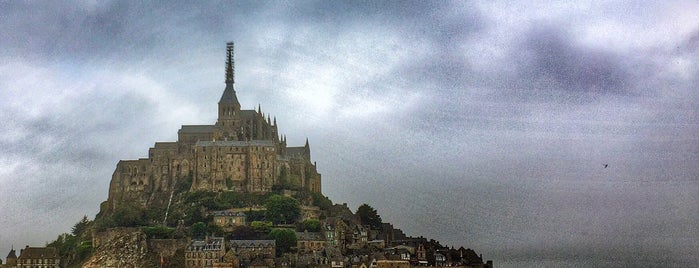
{"type": "Point", "coordinates": [129, 215]}
{"type": "Point", "coordinates": [254, 215]}
{"type": "Point", "coordinates": [282, 209]}
{"type": "Point", "coordinates": [83, 251]}
{"type": "Point", "coordinates": [369, 216]}
{"type": "Point", "coordinates": [321, 201]}
{"type": "Point", "coordinates": [159, 232]}
{"type": "Point", "coordinates": [199, 229]}
{"type": "Point", "coordinates": [230, 200]}
{"type": "Point", "coordinates": [261, 226]}
{"type": "Point", "coordinates": [214, 229]}
{"type": "Point", "coordinates": [81, 226]}
{"type": "Point", "coordinates": [309, 225]}
{"type": "Point", "coordinates": [285, 240]}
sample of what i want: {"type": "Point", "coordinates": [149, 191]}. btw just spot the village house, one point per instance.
{"type": "Point", "coordinates": [309, 242]}
{"type": "Point", "coordinates": [335, 230]}
{"type": "Point", "coordinates": [399, 253]}
{"type": "Point", "coordinates": [34, 257]}
{"type": "Point", "coordinates": [248, 251]}
{"type": "Point", "coordinates": [204, 253]}
{"type": "Point", "coordinates": [360, 236]}
{"type": "Point", "coordinates": [392, 264]}
{"type": "Point", "coordinates": [228, 220]}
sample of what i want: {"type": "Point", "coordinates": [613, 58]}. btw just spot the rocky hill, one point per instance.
{"type": "Point", "coordinates": [224, 193]}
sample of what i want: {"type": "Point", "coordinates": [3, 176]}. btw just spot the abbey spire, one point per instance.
{"type": "Point", "coordinates": [230, 63]}
{"type": "Point", "coordinates": [228, 106]}
{"type": "Point", "coordinates": [229, 99]}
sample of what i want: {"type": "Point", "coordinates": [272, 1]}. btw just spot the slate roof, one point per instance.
{"type": "Point", "coordinates": [295, 151]}
{"type": "Point", "coordinates": [197, 129]}
{"type": "Point", "coordinates": [229, 95]}
{"type": "Point", "coordinates": [248, 114]}
{"type": "Point", "coordinates": [252, 243]}
{"type": "Point", "coordinates": [227, 213]}
{"type": "Point", "coordinates": [210, 244]}
{"type": "Point", "coordinates": [39, 253]}
{"type": "Point", "coordinates": [166, 145]}
{"type": "Point", "coordinates": [11, 255]}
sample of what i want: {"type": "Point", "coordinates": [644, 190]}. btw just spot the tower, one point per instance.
{"type": "Point", "coordinates": [11, 258]}
{"type": "Point", "coordinates": [228, 105]}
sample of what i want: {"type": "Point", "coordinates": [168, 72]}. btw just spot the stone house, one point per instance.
{"type": "Point", "coordinates": [392, 264]}
{"type": "Point", "coordinates": [248, 251]}
{"type": "Point", "coordinates": [38, 257]}
{"type": "Point", "coordinates": [228, 220]}
{"type": "Point", "coordinates": [377, 243]}
{"type": "Point", "coordinates": [399, 253]}
{"type": "Point", "coordinates": [359, 236]}
{"type": "Point", "coordinates": [310, 242]}
{"type": "Point", "coordinates": [205, 253]}
{"type": "Point", "coordinates": [337, 262]}
{"type": "Point", "coordinates": [335, 229]}
{"type": "Point", "coordinates": [439, 259]}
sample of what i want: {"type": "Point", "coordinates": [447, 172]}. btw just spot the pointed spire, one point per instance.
{"type": "Point", "coordinates": [268, 120]}
{"type": "Point", "coordinates": [275, 120]}
{"type": "Point", "coordinates": [259, 110]}
{"type": "Point", "coordinates": [306, 143]}
{"type": "Point", "coordinates": [229, 98]}
{"type": "Point", "coordinates": [230, 63]}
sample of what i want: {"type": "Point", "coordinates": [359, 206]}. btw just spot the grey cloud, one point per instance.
{"type": "Point", "coordinates": [342, 13]}
{"type": "Point", "coordinates": [553, 58]}
{"type": "Point", "coordinates": [113, 29]}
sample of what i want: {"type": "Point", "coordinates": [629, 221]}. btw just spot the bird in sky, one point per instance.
{"type": "Point", "coordinates": [606, 165]}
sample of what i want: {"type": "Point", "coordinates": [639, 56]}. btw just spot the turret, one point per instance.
{"type": "Point", "coordinates": [11, 258]}
{"type": "Point", "coordinates": [307, 150]}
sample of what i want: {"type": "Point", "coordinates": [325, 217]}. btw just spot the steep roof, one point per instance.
{"type": "Point", "coordinates": [11, 255]}
{"type": "Point", "coordinates": [39, 253]}
{"type": "Point", "coordinates": [229, 96]}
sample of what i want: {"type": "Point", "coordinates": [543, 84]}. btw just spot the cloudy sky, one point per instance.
{"type": "Point", "coordinates": [483, 124]}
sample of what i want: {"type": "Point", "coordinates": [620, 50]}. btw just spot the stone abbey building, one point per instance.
{"type": "Point", "coordinates": [241, 152]}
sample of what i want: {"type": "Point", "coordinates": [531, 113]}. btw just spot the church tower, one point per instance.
{"type": "Point", "coordinates": [228, 106]}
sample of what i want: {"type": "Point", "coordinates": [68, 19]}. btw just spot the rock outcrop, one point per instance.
{"type": "Point", "coordinates": [129, 248]}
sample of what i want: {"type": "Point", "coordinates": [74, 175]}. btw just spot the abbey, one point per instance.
{"type": "Point", "coordinates": [241, 152]}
